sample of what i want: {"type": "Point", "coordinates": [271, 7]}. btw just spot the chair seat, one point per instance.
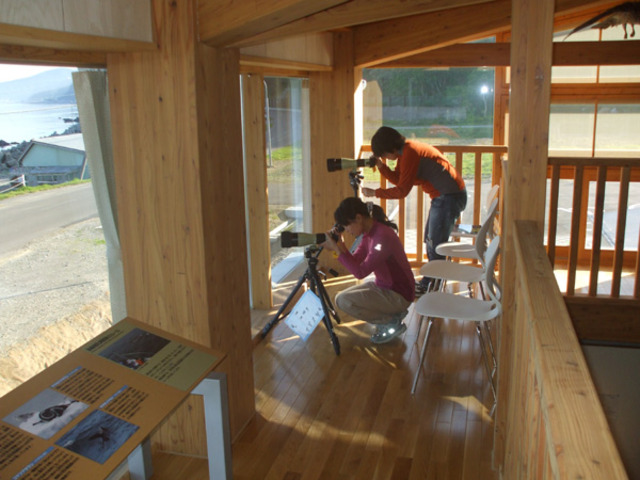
{"type": "Point", "coordinates": [444, 269]}
{"type": "Point", "coordinates": [458, 250]}
{"type": "Point", "coordinates": [465, 230]}
{"type": "Point", "coordinates": [448, 305]}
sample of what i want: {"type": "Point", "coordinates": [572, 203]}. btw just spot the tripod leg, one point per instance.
{"type": "Point", "coordinates": [277, 317]}
{"type": "Point", "coordinates": [315, 285]}
{"type": "Point", "coordinates": [327, 299]}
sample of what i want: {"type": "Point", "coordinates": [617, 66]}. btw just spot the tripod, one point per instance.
{"type": "Point", "coordinates": [312, 276]}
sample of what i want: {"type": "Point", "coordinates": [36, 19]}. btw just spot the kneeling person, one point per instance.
{"type": "Point", "coordinates": [384, 301]}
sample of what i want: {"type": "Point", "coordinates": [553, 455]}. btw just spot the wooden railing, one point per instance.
{"type": "Point", "coordinates": [582, 172]}
{"type": "Point", "coordinates": [572, 255]}
{"type": "Point", "coordinates": [411, 210]}
{"type": "Point", "coordinates": [555, 425]}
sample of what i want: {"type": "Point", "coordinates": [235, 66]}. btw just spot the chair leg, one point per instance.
{"type": "Point", "coordinates": [487, 332]}
{"type": "Point", "coordinates": [485, 359]}
{"type": "Point", "coordinates": [423, 350]}
{"type": "Point", "coordinates": [470, 289]}
{"type": "Point", "coordinates": [482, 292]}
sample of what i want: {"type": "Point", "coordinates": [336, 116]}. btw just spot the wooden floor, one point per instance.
{"type": "Point", "coordinates": [323, 416]}
{"type": "Point", "coordinates": [352, 416]}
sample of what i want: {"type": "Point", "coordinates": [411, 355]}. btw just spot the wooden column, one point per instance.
{"type": "Point", "coordinates": [332, 135]}
{"type": "Point", "coordinates": [178, 160]}
{"type": "Point", "coordinates": [253, 102]}
{"type": "Point", "coordinates": [531, 51]}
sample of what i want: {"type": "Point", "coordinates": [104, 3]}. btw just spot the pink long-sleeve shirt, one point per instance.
{"type": "Point", "coordinates": [381, 252]}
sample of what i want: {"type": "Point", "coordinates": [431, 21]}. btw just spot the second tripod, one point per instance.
{"type": "Point", "coordinates": [312, 276]}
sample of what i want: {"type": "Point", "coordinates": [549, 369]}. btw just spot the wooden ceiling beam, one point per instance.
{"type": "Point", "coordinates": [383, 42]}
{"type": "Point", "coordinates": [352, 13]}
{"type": "Point", "coordinates": [223, 22]}
{"type": "Point", "coordinates": [596, 53]}
{"type": "Point", "coordinates": [50, 56]}
{"type": "Point", "coordinates": [393, 39]}
{"type": "Point", "coordinates": [460, 55]}
{"type": "Point", "coordinates": [498, 55]}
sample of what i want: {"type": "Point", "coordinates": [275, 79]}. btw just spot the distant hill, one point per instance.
{"type": "Point", "coordinates": [52, 86]}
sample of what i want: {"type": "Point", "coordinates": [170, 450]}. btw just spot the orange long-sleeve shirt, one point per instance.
{"type": "Point", "coordinates": [424, 165]}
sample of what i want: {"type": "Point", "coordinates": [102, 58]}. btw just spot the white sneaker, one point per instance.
{"type": "Point", "coordinates": [386, 333]}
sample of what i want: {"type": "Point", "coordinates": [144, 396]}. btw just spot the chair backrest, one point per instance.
{"type": "Point", "coordinates": [485, 229]}
{"type": "Point", "coordinates": [490, 259]}
{"type": "Point", "coordinates": [491, 196]}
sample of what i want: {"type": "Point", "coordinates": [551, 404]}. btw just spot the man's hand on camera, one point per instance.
{"type": "Point", "coordinates": [368, 192]}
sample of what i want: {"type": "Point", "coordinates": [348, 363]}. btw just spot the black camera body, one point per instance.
{"type": "Point", "coordinates": [299, 239]}
{"type": "Point", "coordinates": [336, 231]}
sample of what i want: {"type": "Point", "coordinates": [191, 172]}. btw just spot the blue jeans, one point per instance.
{"type": "Point", "coordinates": [443, 213]}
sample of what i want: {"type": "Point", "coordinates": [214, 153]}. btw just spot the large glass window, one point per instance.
{"type": "Point", "coordinates": [571, 130]}
{"type": "Point", "coordinates": [54, 293]}
{"type": "Point", "coordinates": [594, 74]}
{"type": "Point", "coordinates": [618, 130]}
{"type": "Point", "coordinates": [287, 148]}
{"type": "Point", "coordinates": [610, 216]}
{"type": "Point", "coordinates": [450, 106]}
{"type": "Point", "coordinates": [600, 130]}
{"type": "Point", "coordinates": [440, 106]}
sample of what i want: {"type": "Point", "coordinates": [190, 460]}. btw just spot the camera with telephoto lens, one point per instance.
{"type": "Point", "coordinates": [334, 164]}
{"type": "Point", "coordinates": [299, 239]}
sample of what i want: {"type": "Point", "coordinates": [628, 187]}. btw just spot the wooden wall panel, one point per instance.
{"type": "Point", "coordinates": [46, 14]}
{"type": "Point", "coordinates": [307, 49]}
{"type": "Point", "coordinates": [124, 19]}
{"type": "Point", "coordinates": [332, 135]}
{"type": "Point", "coordinates": [176, 144]}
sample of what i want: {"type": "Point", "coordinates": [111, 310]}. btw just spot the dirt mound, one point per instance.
{"type": "Point", "coordinates": [52, 342]}
{"type": "Point", "coordinates": [54, 297]}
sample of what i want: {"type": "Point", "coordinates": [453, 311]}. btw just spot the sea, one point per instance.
{"type": "Point", "coordinates": [27, 121]}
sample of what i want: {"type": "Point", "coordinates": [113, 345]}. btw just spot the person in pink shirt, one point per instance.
{"type": "Point", "coordinates": [383, 301]}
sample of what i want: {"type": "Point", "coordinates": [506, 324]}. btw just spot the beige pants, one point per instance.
{"type": "Point", "coordinates": [371, 303]}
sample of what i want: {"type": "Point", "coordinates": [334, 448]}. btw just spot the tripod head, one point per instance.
{"type": "Point", "coordinates": [312, 250]}
{"type": "Point", "coordinates": [355, 179]}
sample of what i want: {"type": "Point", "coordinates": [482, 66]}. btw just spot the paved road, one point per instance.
{"type": "Point", "coordinates": [28, 217]}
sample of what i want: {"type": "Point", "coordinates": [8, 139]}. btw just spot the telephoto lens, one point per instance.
{"type": "Point", "coordinates": [334, 164]}
{"type": "Point", "coordinates": [299, 239]}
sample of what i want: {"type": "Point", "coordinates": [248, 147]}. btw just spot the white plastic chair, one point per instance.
{"type": "Point", "coordinates": [444, 270]}
{"type": "Point", "coordinates": [475, 250]}
{"type": "Point", "coordinates": [439, 304]}
{"type": "Point", "coordinates": [466, 230]}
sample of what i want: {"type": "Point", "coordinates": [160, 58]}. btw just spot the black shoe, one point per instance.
{"type": "Point", "coordinates": [424, 285]}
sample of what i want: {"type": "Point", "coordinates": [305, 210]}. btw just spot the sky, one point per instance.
{"type": "Point", "coordinates": [14, 72]}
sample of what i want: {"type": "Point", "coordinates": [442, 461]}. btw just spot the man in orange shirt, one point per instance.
{"type": "Point", "coordinates": [424, 165]}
